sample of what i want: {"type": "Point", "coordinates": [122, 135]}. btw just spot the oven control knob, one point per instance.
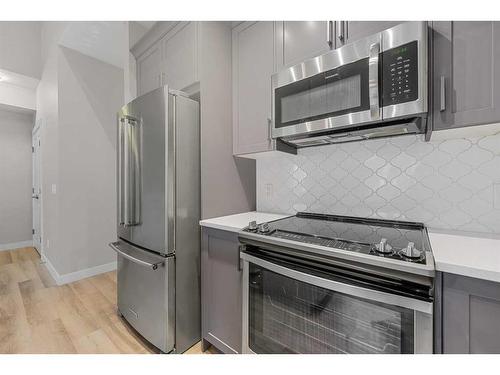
{"type": "Point", "coordinates": [411, 252]}
{"type": "Point", "coordinates": [252, 226]}
{"type": "Point", "coordinates": [264, 228]}
{"type": "Point", "coordinates": [383, 247]}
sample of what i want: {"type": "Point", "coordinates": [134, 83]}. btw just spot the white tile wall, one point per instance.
{"type": "Point", "coordinates": [449, 184]}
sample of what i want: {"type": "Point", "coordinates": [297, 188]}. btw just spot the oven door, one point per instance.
{"type": "Point", "coordinates": [286, 310]}
{"type": "Point", "coordinates": [331, 91]}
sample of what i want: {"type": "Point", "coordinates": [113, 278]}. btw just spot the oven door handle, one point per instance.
{"type": "Point", "coordinates": [370, 294]}
{"type": "Point", "coordinates": [373, 79]}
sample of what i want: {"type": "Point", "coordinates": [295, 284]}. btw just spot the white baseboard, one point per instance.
{"type": "Point", "coordinates": [77, 275]}
{"type": "Point", "coordinates": [15, 245]}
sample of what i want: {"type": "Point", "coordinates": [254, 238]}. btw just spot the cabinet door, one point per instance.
{"type": "Point", "coordinates": [466, 73]}
{"type": "Point", "coordinates": [349, 31]}
{"type": "Point", "coordinates": [180, 57]}
{"type": "Point", "coordinates": [253, 66]}
{"type": "Point", "coordinates": [149, 70]}
{"type": "Point", "coordinates": [221, 290]}
{"type": "Point", "coordinates": [297, 41]}
{"type": "Point", "coordinates": [471, 313]}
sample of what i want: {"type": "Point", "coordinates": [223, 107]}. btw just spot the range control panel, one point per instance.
{"type": "Point", "coordinates": [400, 74]}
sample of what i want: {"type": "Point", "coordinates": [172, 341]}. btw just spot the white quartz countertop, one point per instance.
{"type": "Point", "coordinates": [234, 223]}
{"type": "Point", "coordinates": [466, 254]}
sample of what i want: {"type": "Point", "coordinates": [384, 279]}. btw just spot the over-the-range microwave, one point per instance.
{"type": "Point", "coordinates": [373, 87]}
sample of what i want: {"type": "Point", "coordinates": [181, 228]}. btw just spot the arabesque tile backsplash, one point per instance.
{"type": "Point", "coordinates": [446, 184]}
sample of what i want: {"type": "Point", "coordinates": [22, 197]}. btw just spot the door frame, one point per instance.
{"type": "Point", "coordinates": [37, 132]}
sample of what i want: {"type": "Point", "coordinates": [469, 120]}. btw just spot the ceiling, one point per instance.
{"type": "Point", "coordinates": [104, 40]}
{"type": "Point", "coordinates": [146, 24]}
{"type": "Point", "coordinates": [16, 79]}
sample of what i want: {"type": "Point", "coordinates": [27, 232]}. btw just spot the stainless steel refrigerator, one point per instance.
{"type": "Point", "coordinates": [158, 245]}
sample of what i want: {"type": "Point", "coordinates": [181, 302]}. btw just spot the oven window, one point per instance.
{"type": "Point", "coordinates": [333, 93]}
{"type": "Point", "coordinates": [289, 316]}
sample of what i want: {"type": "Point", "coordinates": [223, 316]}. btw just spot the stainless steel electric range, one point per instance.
{"type": "Point", "coordinates": [316, 283]}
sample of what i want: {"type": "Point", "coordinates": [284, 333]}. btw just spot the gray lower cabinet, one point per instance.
{"type": "Point", "coordinates": [470, 315]}
{"type": "Point", "coordinates": [466, 67]}
{"type": "Point", "coordinates": [221, 290]}
{"type": "Point", "coordinates": [297, 41]}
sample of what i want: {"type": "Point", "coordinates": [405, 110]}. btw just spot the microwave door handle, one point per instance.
{"type": "Point", "coordinates": [373, 78]}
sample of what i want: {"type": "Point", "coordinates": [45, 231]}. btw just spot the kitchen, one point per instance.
{"type": "Point", "coordinates": [344, 197]}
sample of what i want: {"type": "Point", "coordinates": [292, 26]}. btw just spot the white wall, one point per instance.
{"type": "Point", "coordinates": [78, 97]}
{"type": "Point", "coordinates": [48, 114]}
{"type": "Point", "coordinates": [90, 93]}
{"type": "Point", "coordinates": [15, 176]}
{"type": "Point", "coordinates": [20, 46]}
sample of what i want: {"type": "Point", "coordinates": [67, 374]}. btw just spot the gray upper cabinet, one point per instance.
{"type": "Point", "coordinates": [172, 60]}
{"type": "Point", "coordinates": [349, 31]}
{"type": "Point", "coordinates": [466, 81]}
{"type": "Point", "coordinates": [180, 51]}
{"type": "Point", "coordinates": [149, 70]}
{"type": "Point", "coordinates": [300, 40]}
{"type": "Point", "coordinates": [471, 315]}
{"type": "Point", "coordinates": [253, 65]}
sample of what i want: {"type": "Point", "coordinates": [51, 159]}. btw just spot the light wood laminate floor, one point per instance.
{"type": "Point", "coordinates": [37, 316]}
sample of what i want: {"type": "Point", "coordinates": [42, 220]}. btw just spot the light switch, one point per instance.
{"type": "Point", "coordinates": [496, 196]}
{"type": "Point", "coordinates": [54, 189]}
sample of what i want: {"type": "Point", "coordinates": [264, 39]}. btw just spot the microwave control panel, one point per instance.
{"type": "Point", "coordinates": [400, 74]}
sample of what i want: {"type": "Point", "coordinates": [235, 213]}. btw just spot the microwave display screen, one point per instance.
{"type": "Point", "coordinates": [332, 93]}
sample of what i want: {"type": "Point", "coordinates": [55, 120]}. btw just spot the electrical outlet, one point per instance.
{"type": "Point", "coordinates": [54, 189]}
{"type": "Point", "coordinates": [48, 243]}
{"type": "Point", "coordinates": [496, 196]}
{"type": "Point", "coordinates": [269, 190]}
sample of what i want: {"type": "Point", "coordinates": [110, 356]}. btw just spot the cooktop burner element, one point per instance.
{"type": "Point", "coordinates": [398, 240]}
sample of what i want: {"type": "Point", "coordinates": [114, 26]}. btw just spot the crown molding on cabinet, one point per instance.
{"type": "Point", "coordinates": [157, 32]}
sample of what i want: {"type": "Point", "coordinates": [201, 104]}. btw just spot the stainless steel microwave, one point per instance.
{"type": "Point", "coordinates": [373, 87]}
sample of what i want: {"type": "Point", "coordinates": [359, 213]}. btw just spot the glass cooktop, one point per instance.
{"type": "Point", "coordinates": [377, 237]}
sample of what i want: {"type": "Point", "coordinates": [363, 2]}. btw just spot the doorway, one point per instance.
{"type": "Point", "coordinates": [37, 190]}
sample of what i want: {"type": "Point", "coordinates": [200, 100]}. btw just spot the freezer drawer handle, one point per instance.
{"type": "Point", "coordinates": [153, 266]}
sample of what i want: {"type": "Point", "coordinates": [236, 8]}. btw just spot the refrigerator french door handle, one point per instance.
{"type": "Point", "coordinates": [134, 149]}
{"type": "Point", "coordinates": [336, 286]}
{"type": "Point", "coordinates": [121, 126]}
{"type": "Point", "coordinates": [129, 172]}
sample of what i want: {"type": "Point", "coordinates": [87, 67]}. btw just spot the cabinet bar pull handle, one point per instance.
{"type": "Point", "coordinates": [340, 31]}
{"type": "Point", "coordinates": [329, 33]}
{"type": "Point", "coordinates": [442, 92]}
{"type": "Point", "coordinates": [270, 129]}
